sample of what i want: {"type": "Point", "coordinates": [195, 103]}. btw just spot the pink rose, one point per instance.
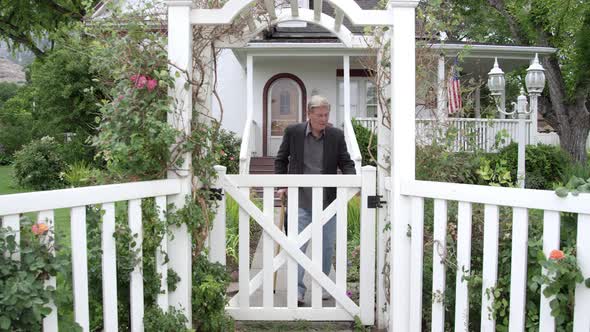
{"type": "Point", "coordinates": [151, 84]}
{"type": "Point", "coordinates": [133, 78]}
{"type": "Point", "coordinates": [141, 82]}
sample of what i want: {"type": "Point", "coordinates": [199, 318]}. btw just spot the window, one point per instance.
{"type": "Point", "coordinates": [285, 105]}
{"type": "Point", "coordinates": [372, 101]}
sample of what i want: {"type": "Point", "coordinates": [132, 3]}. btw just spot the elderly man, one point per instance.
{"type": "Point", "coordinates": [314, 147]}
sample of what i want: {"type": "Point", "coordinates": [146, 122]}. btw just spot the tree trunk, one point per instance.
{"type": "Point", "coordinates": [570, 118]}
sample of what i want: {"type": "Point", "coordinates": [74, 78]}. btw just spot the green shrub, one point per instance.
{"type": "Point", "coordinates": [544, 164]}
{"type": "Point", "coordinates": [80, 174]}
{"type": "Point", "coordinates": [16, 124]}
{"type": "Point", "coordinates": [435, 163]}
{"type": "Point", "coordinates": [229, 155]}
{"type": "Point", "coordinates": [156, 320]}
{"type": "Point", "coordinates": [210, 280]}
{"type": "Point", "coordinates": [23, 294]}
{"type": "Point", "coordinates": [367, 141]}
{"type": "Point", "coordinates": [39, 165]}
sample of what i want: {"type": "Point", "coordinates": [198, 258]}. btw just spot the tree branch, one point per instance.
{"type": "Point", "coordinates": [9, 30]}
{"type": "Point", "coordinates": [517, 34]}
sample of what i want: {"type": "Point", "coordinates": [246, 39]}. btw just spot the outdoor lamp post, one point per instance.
{"type": "Point", "coordinates": [535, 82]}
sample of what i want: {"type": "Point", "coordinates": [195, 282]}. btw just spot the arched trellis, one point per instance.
{"type": "Point", "coordinates": [400, 17]}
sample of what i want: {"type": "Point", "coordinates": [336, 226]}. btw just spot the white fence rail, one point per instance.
{"type": "Point", "coordinates": [243, 305]}
{"type": "Point", "coordinates": [494, 199]}
{"type": "Point", "coordinates": [46, 202]}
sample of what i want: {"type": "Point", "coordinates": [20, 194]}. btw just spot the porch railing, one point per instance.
{"type": "Point", "coordinates": [46, 202]}
{"type": "Point", "coordinates": [519, 202]}
{"type": "Point", "coordinates": [247, 145]}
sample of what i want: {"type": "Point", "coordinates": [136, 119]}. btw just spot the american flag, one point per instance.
{"type": "Point", "coordinates": [454, 90]}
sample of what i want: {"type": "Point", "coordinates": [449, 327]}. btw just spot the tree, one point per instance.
{"type": "Point", "coordinates": [27, 23]}
{"type": "Point", "coordinates": [562, 24]}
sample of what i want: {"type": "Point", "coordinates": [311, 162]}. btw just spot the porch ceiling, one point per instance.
{"type": "Point", "coordinates": [478, 59]}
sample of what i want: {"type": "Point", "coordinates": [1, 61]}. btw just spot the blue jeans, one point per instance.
{"type": "Point", "coordinates": [328, 242]}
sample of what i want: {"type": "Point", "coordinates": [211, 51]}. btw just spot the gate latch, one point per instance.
{"type": "Point", "coordinates": [374, 202]}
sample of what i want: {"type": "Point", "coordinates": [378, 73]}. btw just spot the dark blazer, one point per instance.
{"type": "Point", "coordinates": [289, 159]}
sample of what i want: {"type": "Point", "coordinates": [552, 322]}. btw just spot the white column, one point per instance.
{"type": "Point", "coordinates": [347, 88]}
{"type": "Point", "coordinates": [180, 54]}
{"type": "Point", "coordinates": [441, 106]}
{"type": "Point", "coordinates": [403, 117]}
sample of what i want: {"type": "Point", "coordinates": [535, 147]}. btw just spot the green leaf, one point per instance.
{"type": "Point", "coordinates": [562, 192]}
{"type": "Point", "coordinates": [4, 323]}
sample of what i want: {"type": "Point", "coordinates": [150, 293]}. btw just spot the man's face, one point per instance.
{"type": "Point", "coordinates": [318, 117]}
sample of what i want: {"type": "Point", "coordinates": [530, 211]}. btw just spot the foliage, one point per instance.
{"type": "Point", "coordinates": [23, 294]}
{"type": "Point", "coordinates": [31, 24]}
{"type": "Point", "coordinates": [15, 124]}
{"type": "Point", "coordinates": [229, 153]}
{"type": "Point", "coordinates": [367, 141]}
{"type": "Point", "coordinates": [497, 174]}
{"type": "Point", "coordinates": [575, 185]}
{"type": "Point", "coordinates": [544, 164]}
{"type": "Point", "coordinates": [210, 280]}
{"type": "Point", "coordinates": [39, 165]}
{"type": "Point", "coordinates": [7, 91]}
{"type": "Point", "coordinates": [65, 93]}
{"type": "Point", "coordinates": [561, 279]}
{"type": "Point", "coordinates": [79, 174]}
{"type": "Point", "coordinates": [435, 163]}
{"type": "Point", "coordinates": [156, 320]}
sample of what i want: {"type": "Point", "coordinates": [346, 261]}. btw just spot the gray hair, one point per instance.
{"type": "Point", "coordinates": [317, 101]}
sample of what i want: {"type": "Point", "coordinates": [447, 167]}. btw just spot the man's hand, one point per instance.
{"type": "Point", "coordinates": [282, 193]}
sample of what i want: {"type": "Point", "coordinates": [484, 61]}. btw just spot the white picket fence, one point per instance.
{"type": "Point", "coordinates": [520, 201]}
{"type": "Point", "coordinates": [240, 306]}
{"type": "Point", "coordinates": [46, 202]}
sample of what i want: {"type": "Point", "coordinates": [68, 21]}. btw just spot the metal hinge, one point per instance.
{"type": "Point", "coordinates": [215, 193]}
{"type": "Point", "coordinates": [374, 202]}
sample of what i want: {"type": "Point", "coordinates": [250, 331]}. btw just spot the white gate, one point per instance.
{"type": "Point", "coordinates": [347, 186]}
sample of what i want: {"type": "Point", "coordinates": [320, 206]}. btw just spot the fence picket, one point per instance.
{"type": "Point", "coordinates": [50, 321]}
{"type": "Point", "coordinates": [292, 232]}
{"type": "Point", "coordinates": [439, 256]}
{"type": "Point", "coordinates": [341, 239]}
{"type": "Point", "coordinates": [268, 250]}
{"type": "Point", "coordinates": [551, 235]}
{"type": "Point", "coordinates": [161, 252]}
{"type": "Point", "coordinates": [463, 267]}
{"type": "Point", "coordinates": [582, 300]}
{"type": "Point", "coordinates": [316, 243]}
{"type": "Point", "coordinates": [109, 268]}
{"type": "Point", "coordinates": [244, 255]}
{"type": "Point", "coordinates": [136, 291]}
{"type": "Point", "coordinates": [518, 269]}
{"type": "Point", "coordinates": [490, 266]}
{"type": "Point", "coordinates": [416, 253]}
{"type": "Point", "coordinates": [80, 266]}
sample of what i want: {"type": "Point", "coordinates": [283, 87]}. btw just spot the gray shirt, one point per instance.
{"type": "Point", "coordinates": [313, 157]}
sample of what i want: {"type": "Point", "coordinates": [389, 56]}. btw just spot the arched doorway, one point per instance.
{"type": "Point", "coordinates": [284, 100]}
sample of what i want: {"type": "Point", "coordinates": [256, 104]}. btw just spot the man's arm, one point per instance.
{"type": "Point", "coordinates": [282, 158]}
{"type": "Point", "coordinates": [345, 164]}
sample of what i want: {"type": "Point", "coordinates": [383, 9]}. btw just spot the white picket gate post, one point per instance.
{"type": "Point", "coordinates": [217, 235]}
{"type": "Point", "coordinates": [180, 55]}
{"type": "Point", "coordinates": [367, 262]}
